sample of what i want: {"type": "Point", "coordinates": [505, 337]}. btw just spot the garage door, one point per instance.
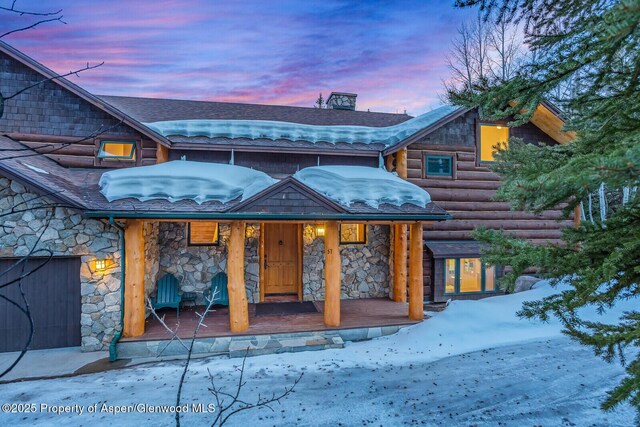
{"type": "Point", "coordinates": [53, 295]}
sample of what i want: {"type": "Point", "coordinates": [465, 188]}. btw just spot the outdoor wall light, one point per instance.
{"type": "Point", "coordinates": [101, 264]}
{"type": "Point", "coordinates": [320, 230]}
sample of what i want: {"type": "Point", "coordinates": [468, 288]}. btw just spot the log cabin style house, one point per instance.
{"type": "Point", "coordinates": [301, 204]}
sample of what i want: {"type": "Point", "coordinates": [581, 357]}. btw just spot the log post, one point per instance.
{"type": "Point", "coordinates": [332, 269]}
{"type": "Point", "coordinates": [400, 263]}
{"type": "Point", "coordinates": [238, 305]}
{"type": "Point", "coordinates": [162, 153]}
{"type": "Point", "coordinates": [416, 292]}
{"type": "Point", "coordinates": [401, 163]}
{"type": "Point", "coordinates": [399, 235]}
{"type": "Point", "coordinates": [577, 216]}
{"type": "Point", "coordinates": [134, 311]}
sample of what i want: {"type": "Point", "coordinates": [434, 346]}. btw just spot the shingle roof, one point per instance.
{"type": "Point", "coordinates": [79, 188]}
{"type": "Point", "coordinates": [157, 109]}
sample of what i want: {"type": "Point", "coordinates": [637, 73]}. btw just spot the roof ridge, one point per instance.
{"type": "Point", "coordinates": [102, 96]}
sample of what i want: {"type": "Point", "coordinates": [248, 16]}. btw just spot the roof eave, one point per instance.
{"type": "Point", "coordinates": [257, 217]}
{"type": "Point", "coordinates": [425, 131]}
{"type": "Point", "coordinates": [37, 187]}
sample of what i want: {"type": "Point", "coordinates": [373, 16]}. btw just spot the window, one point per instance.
{"type": "Point", "coordinates": [117, 150]}
{"type": "Point", "coordinates": [438, 165]}
{"type": "Point", "coordinates": [468, 275]}
{"type": "Point", "coordinates": [490, 137]}
{"type": "Point", "coordinates": [353, 233]}
{"type": "Point", "coordinates": [203, 233]}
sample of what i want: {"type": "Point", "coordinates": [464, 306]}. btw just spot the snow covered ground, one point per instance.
{"type": "Point", "coordinates": [475, 363]}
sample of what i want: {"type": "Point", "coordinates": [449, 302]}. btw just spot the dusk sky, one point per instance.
{"type": "Point", "coordinates": [391, 53]}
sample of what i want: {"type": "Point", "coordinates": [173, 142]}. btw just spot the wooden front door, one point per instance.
{"type": "Point", "coordinates": [281, 266]}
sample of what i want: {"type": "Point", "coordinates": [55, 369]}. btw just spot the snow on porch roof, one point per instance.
{"type": "Point", "coordinates": [202, 182]}
{"type": "Point", "coordinates": [184, 180]}
{"type": "Point", "coordinates": [372, 186]}
{"type": "Point", "coordinates": [274, 130]}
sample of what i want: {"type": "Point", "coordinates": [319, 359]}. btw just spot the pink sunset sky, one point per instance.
{"type": "Point", "coordinates": [391, 53]}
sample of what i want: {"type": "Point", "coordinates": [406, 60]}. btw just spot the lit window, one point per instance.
{"type": "Point", "coordinates": [203, 233]}
{"type": "Point", "coordinates": [468, 275]}
{"type": "Point", "coordinates": [450, 276]}
{"type": "Point", "coordinates": [117, 150]}
{"type": "Point", "coordinates": [439, 165]}
{"type": "Point", "coordinates": [492, 136]}
{"type": "Point", "coordinates": [353, 233]}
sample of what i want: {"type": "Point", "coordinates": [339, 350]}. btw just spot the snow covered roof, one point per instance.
{"type": "Point", "coordinates": [276, 130]}
{"type": "Point", "coordinates": [184, 180]}
{"type": "Point", "coordinates": [371, 186]}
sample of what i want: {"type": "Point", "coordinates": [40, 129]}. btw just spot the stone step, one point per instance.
{"type": "Point", "coordinates": [286, 344]}
{"type": "Point", "coordinates": [236, 346]}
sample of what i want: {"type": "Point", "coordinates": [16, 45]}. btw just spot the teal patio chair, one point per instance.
{"type": "Point", "coordinates": [167, 295]}
{"type": "Point", "coordinates": [219, 289]}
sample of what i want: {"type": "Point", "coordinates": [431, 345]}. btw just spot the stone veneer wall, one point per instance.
{"type": "Point", "coordinates": [68, 234]}
{"type": "Point", "coordinates": [365, 267]}
{"type": "Point", "coordinates": [194, 266]}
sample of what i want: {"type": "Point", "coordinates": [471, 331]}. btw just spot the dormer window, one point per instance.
{"type": "Point", "coordinates": [117, 150]}
{"type": "Point", "coordinates": [492, 136]}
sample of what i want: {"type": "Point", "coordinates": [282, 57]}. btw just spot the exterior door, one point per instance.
{"type": "Point", "coordinates": [53, 294]}
{"type": "Point", "coordinates": [280, 259]}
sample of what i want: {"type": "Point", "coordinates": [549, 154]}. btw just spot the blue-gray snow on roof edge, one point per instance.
{"type": "Point", "coordinates": [371, 186]}
{"type": "Point", "coordinates": [265, 129]}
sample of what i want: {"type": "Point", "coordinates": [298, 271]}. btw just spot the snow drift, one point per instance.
{"type": "Point", "coordinates": [184, 180]}
{"type": "Point", "coordinates": [258, 129]}
{"type": "Point", "coordinates": [372, 186]}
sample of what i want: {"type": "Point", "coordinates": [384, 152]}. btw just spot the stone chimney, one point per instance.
{"type": "Point", "coordinates": [342, 101]}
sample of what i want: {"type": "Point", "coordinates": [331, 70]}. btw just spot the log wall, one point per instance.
{"type": "Point", "coordinates": [468, 195]}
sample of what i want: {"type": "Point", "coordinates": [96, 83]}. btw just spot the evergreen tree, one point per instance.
{"type": "Point", "coordinates": [319, 102]}
{"type": "Point", "coordinates": [595, 45]}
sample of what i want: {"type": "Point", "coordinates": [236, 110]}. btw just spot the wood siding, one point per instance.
{"type": "Point", "coordinates": [48, 117]}
{"type": "Point", "coordinates": [468, 195]}
{"type": "Point", "coordinates": [276, 164]}
{"type": "Point", "coordinates": [53, 294]}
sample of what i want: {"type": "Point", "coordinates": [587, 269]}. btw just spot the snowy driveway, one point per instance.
{"type": "Point", "coordinates": [475, 364]}
{"type": "Point", "coordinates": [542, 383]}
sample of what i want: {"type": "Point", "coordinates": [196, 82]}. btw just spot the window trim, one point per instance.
{"type": "Point", "coordinates": [437, 153]}
{"type": "Point", "coordinates": [360, 242]}
{"type": "Point", "coordinates": [130, 157]}
{"type": "Point", "coordinates": [479, 141]}
{"type": "Point", "coordinates": [483, 278]}
{"type": "Point", "coordinates": [190, 243]}
{"type": "Point", "coordinates": [438, 156]}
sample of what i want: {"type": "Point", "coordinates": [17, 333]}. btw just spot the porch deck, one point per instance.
{"type": "Point", "coordinates": [356, 313]}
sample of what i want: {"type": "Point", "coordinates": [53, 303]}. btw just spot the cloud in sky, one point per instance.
{"type": "Point", "coordinates": [274, 52]}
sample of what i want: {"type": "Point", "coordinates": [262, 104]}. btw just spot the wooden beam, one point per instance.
{"type": "Point", "coordinates": [238, 305]}
{"type": "Point", "coordinates": [388, 161]}
{"type": "Point", "coordinates": [134, 311]}
{"type": "Point", "coordinates": [162, 153]}
{"type": "Point", "coordinates": [577, 216]}
{"type": "Point", "coordinates": [400, 263]}
{"type": "Point", "coordinates": [261, 262]}
{"type": "Point", "coordinates": [275, 221]}
{"type": "Point", "coordinates": [416, 291]}
{"type": "Point", "coordinates": [552, 125]}
{"type": "Point", "coordinates": [401, 163]}
{"type": "Point", "coordinates": [332, 269]}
